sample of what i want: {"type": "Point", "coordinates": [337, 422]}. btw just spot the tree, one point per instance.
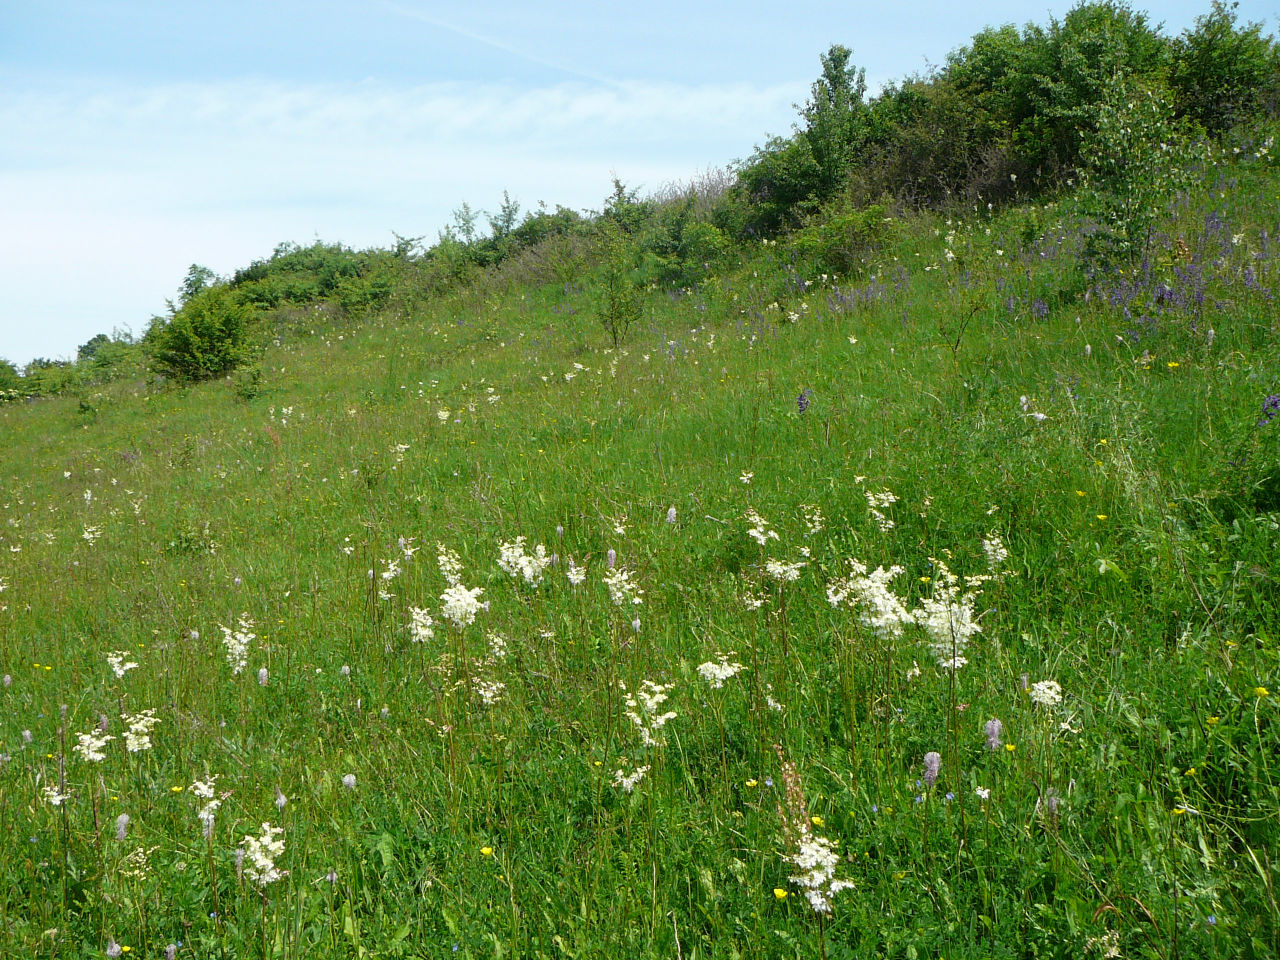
{"type": "Point", "coordinates": [205, 339]}
{"type": "Point", "coordinates": [619, 308]}
{"type": "Point", "coordinates": [198, 278]}
{"type": "Point", "coordinates": [835, 117]}
{"type": "Point", "coordinates": [1222, 74]}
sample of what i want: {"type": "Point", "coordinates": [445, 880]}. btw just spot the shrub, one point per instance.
{"type": "Point", "coordinates": [1222, 74]}
{"type": "Point", "coordinates": [619, 307]}
{"type": "Point", "coordinates": [205, 339]}
{"type": "Point", "coordinates": [839, 242]}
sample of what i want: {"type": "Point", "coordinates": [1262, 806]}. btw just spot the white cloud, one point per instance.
{"type": "Point", "coordinates": [112, 191]}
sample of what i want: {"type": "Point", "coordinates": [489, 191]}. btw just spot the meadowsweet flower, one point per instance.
{"type": "Point", "coordinates": [261, 853]}
{"type": "Point", "coordinates": [628, 781]}
{"type": "Point", "coordinates": [90, 534]}
{"type": "Point", "coordinates": [813, 519]}
{"type": "Point", "coordinates": [877, 503]}
{"type": "Point", "coordinates": [1046, 693]}
{"type": "Point", "coordinates": [948, 618]}
{"type": "Point", "coordinates": [993, 729]}
{"type": "Point", "coordinates": [575, 574]}
{"type": "Point", "coordinates": [982, 792]}
{"type": "Point", "coordinates": [449, 564]}
{"type": "Point", "coordinates": [237, 642]}
{"type": "Point", "coordinates": [746, 477]}
{"type": "Point", "coordinates": [517, 564]}
{"type": "Point", "coordinates": [784, 572]}
{"type": "Point", "coordinates": [879, 609]}
{"type": "Point", "coordinates": [759, 530]}
{"type": "Point", "coordinates": [490, 691]}
{"type": "Point", "coordinates": [91, 745]}
{"type": "Point", "coordinates": [718, 671]}
{"type": "Point", "coordinates": [995, 551]}
{"type": "Point", "coordinates": [461, 604]}
{"type": "Point", "coordinates": [53, 796]}
{"type": "Point", "coordinates": [642, 709]}
{"type": "Point", "coordinates": [932, 765]}
{"type": "Point", "coordinates": [119, 664]}
{"type": "Point", "coordinates": [208, 811]}
{"type": "Point", "coordinates": [622, 589]}
{"type": "Point", "coordinates": [137, 736]}
{"type": "Point", "coordinates": [814, 855]}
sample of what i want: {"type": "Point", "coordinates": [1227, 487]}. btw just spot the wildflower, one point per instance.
{"type": "Point", "coordinates": [759, 531]}
{"type": "Point", "coordinates": [575, 574]}
{"type": "Point", "coordinates": [671, 515]}
{"type": "Point", "coordinates": [261, 853]}
{"type": "Point", "coordinates": [780, 893]}
{"type": "Point", "coordinates": [237, 642]}
{"type": "Point", "coordinates": [932, 765]}
{"type": "Point", "coordinates": [516, 563]}
{"type": "Point", "coordinates": [628, 781]}
{"type": "Point", "coordinates": [421, 629]}
{"type": "Point", "coordinates": [281, 799]}
{"type": "Point", "coordinates": [490, 691]}
{"type": "Point", "coordinates": [813, 519]}
{"type": "Point", "coordinates": [622, 589]}
{"type": "Point", "coordinates": [461, 604]}
{"type": "Point", "coordinates": [113, 949]}
{"type": "Point", "coordinates": [1009, 748]}
{"type": "Point", "coordinates": [642, 709]}
{"type": "Point", "coordinates": [611, 558]}
{"type": "Point", "coordinates": [716, 673]}
{"type": "Point", "coordinates": [877, 503]}
{"type": "Point", "coordinates": [90, 534]}
{"type": "Point", "coordinates": [1213, 721]}
{"type": "Point", "coordinates": [783, 572]}
{"type": "Point", "coordinates": [813, 855]}
{"type": "Point", "coordinates": [1261, 692]}
{"type": "Point", "coordinates": [1046, 693]}
{"type": "Point", "coordinates": [263, 676]}
{"type": "Point", "coordinates": [947, 617]}
{"type": "Point", "coordinates": [53, 796]}
{"type": "Point", "coordinates": [122, 826]}
{"type": "Point", "coordinates": [449, 564]}
{"type": "Point", "coordinates": [802, 401]}
{"type": "Point", "coordinates": [137, 737]}
{"type": "Point", "coordinates": [203, 790]}
{"type": "Point", "coordinates": [878, 608]}
{"type": "Point", "coordinates": [1107, 945]}
{"type": "Point", "coordinates": [486, 851]}
{"type": "Point", "coordinates": [349, 781]}
{"type": "Point", "coordinates": [746, 477]}
{"type": "Point", "coordinates": [993, 729]}
{"type": "Point", "coordinates": [119, 664]}
{"type": "Point", "coordinates": [91, 744]}
{"type": "Point", "coordinates": [982, 792]}
{"type": "Point", "coordinates": [995, 551]}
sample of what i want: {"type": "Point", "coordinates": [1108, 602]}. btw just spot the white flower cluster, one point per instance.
{"type": "Point", "coordinates": [490, 691]}
{"type": "Point", "coordinates": [813, 519]}
{"type": "Point", "coordinates": [718, 671]}
{"type": "Point", "coordinates": [91, 745]}
{"type": "Point", "coordinates": [784, 572]}
{"type": "Point", "coordinates": [622, 589]}
{"type": "Point", "coordinates": [877, 503]}
{"type": "Point", "coordinates": [948, 618]}
{"type": "Point", "coordinates": [629, 781]}
{"type": "Point", "coordinates": [642, 710]}
{"type": "Point", "coordinates": [817, 861]}
{"type": "Point", "coordinates": [203, 790]}
{"type": "Point", "coordinates": [138, 737]}
{"type": "Point", "coordinates": [879, 609]}
{"type": "Point", "coordinates": [517, 564]}
{"type": "Point", "coordinates": [119, 664]}
{"type": "Point", "coordinates": [261, 853]}
{"type": "Point", "coordinates": [237, 642]}
{"type": "Point", "coordinates": [759, 530]}
{"type": "Point", "coordinates": [997, 553]}
{"type": "Point", "coordinates": [449, 564]}
{"type": "Point", "coordinates": [575, 573]}
{"type": "Point", "coordinates": [53, 796]}
{"type": "Point", "coordinates": [422, 627]}
{"type": "Point", "coordinates": [1046, 693]}
{"type": "Point", "coordinates": [461, 604]}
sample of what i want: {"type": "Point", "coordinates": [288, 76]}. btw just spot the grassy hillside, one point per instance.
{"type": "Point", "coordinates": [1076, 475]}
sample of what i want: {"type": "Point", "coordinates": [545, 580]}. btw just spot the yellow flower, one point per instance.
{"type": "Point", "coordinates": [780, 893]}
{"type": "Point", "coordinates": [1179, 811]}
{"type": "Point", "coordinates": [175, 789]}
{"type": "Point", "coordinates": [1191, 771]}
{"type": "Point", "coordinates": [486, 851]}
{"type": "Point", "coordinates": [1101, 516]}
{"type": "Point", "coordinates": [1080, 493]}
{"type": "Point", "coordinates": [1010, 747]}
{"type": "Point", "coordinates": [752, 783]}
{"type": "Point", "coordinates": [1261, 692]}
{"type": "Point", "coordinates": [817, 821]}
{"type": "Point", "coordinates": [598, 763]}
{"type": "Point", "coordinates": [1173, 363]}
{"type": "Point", "coordinates": [1212, 721]}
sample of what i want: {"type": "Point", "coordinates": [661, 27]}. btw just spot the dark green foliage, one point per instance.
{"type": "Point", "coordinates": [619, 307]}
{"type": "Point", "coordinates": [839, 243]}
{"type": "Point", "coordinates": [205, 339]}
{"type": "Point", "coordinates": [1222, 73]}
{"type": "Point", "coordinates": [835, 118]}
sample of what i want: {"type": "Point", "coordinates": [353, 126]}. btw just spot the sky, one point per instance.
{"type": "Point", "coordinates": [138, 138]}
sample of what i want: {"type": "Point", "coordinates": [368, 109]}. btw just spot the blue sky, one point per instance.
{"type": "Point", "coordinates": [137, 138]}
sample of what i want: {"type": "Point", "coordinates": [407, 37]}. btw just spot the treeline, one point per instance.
{"type": "Point", "coordinates": [1015, 113]}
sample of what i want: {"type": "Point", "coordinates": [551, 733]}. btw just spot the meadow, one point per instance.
{"type": "Point", "coordinates": [927, 609]}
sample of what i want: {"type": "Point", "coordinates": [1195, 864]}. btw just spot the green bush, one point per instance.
{"type": "Point", "coordinates": [205, 339]}
{"type": "Point", "coordinates": [839, 242]}
{"type": "Point", "coordinates": [1222, 74]}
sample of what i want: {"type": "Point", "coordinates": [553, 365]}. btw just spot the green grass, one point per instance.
{"type": "Point", "coordinates": [1141, 577]}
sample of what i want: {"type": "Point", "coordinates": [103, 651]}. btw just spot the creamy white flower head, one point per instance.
{"type": "Point", "coordinates": [137, 737]}
{"type": "Point", "coordinates": [208, 811]}
{"type": "Point", "coordinates": [948, 618]}
{"type": "Point", "coordinates": [119, 664]}
{"type": "Point", "coordinates": [817, 860]}
{"type": "Point", "coordinates": [622, 589]}
{"type": "Point", "coordinates": [759, 530]}
{"type": "Point", "coordinates": [643, 708]}
{"type": "Point", "coordinates": [460, 604]}
{"type": "Point", "coordinates": [721, 669]}
{"type": "Point", "coordinates": [1046, 693]}
{"type": "Point", "coordinates": [53, 796]}
{"type": "Point", "coordinates": [628, 781]}
{"type": "Point", "coordinates": [422, 627]}
{"type": "Point", "coordinates": [449, 564]}
{"type": "Point", "coordinates": [782, 571]}
{"type": "Point", "coordinates": [516, 563]}
{"type": "Point", "coordinates": [490, 691]}
{"type": "Point", "coordinates": [879, 609]}
{"type": "Point", "coordinates": [813, 519]}
{"type": "Point", "coordinates": [995, 551]}
{"type": "Point", "coordinates": [261, 853]}
{"type": "Point", "coordinates": [575, 574]}
{"type": "Point", "coordinates": [91, 745]}
{"type": "Point", "coordinates": [237, 642]}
